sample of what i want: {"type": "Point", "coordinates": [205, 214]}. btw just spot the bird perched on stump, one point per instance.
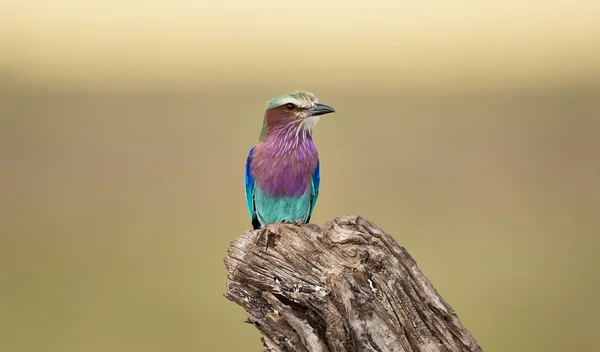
{"type": "Point", "coordinates": [282, 169]}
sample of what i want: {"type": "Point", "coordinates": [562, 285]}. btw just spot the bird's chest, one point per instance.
{"type": "Point", "coordinates": [285, 175]}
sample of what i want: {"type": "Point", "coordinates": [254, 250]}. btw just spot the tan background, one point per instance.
{"type": "Point", "coordinates": [468, 130]}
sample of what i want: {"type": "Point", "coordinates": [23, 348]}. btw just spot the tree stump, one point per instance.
{"type": "Point", "coordinates": [346, 287]}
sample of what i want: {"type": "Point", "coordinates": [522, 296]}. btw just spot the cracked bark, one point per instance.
{"type": "Point", "coordinates": [346, 287]}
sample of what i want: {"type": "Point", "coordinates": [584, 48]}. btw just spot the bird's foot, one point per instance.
{"type": "Point", "coordinates": [297, 222]}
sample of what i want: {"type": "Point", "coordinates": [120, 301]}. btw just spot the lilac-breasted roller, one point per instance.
{"type": "Point", "coordinates": [282, 170]}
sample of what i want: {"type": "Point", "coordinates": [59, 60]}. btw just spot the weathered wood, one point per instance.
{"type": "Point", "coordinates": [346, 287]}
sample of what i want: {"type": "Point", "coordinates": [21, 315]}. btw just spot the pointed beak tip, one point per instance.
{"type": "Point", "coordinates": [321, 109]}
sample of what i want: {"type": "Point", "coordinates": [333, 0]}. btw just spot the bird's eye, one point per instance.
{"type": "Point", "coordinates": [290, 106]}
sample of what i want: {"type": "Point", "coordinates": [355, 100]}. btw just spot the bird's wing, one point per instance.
{"type": "Point", "coordinates": [249, 181]}
{"type": "Point", "coordinates": [314, 189]}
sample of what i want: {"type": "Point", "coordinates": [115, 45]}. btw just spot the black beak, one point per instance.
{"type": "Point", "coordinates": [320, 109]}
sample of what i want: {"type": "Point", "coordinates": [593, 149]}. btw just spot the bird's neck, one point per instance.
{"type": "Point", "coordinates": [284, 138]}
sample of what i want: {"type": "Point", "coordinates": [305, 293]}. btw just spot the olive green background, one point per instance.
{"type": "Point", "coordinates": [468, 131]}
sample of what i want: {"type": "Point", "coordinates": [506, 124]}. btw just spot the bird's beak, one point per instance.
{"type": "Point", "coordinates": [319, 109]}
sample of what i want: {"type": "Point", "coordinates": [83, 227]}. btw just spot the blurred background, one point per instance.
{"type": "Point", "coordinates": [468, 130]}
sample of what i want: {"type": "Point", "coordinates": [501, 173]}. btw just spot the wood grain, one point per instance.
{"type": "Point", "coordinates": [345, 287]}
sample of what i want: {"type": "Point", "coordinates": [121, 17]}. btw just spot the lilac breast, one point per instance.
{"type": "Point", "coordinates": [284, 170]}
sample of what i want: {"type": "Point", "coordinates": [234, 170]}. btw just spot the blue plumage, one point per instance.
{"type": "Point", "coordinates": [249, 181]}
{"type": "Point", "coordinates": [314, 189]}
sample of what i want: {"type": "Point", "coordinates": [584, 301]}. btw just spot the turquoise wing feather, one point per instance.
{"type": "Point", "coordinates": [314, 189]}
{"type": "Point", "coordinates": [249, 183]}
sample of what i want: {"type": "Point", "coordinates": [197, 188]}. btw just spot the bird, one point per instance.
{"type": "Point", "coordinates": [282, 175]}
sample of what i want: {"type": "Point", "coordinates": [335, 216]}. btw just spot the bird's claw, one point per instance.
{"type": "Point", "coordinates": [297, 222]}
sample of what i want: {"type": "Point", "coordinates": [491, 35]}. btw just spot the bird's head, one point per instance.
{"type": "Point", "coordinates": [301, 109]}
